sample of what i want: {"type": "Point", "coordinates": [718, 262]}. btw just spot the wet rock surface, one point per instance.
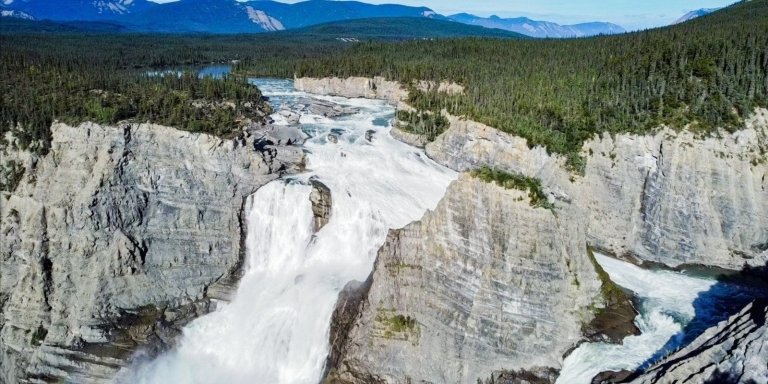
{"type": "Point", "coordinates": [324, 108]}
{"type": "Point", "coordinates": [274, 135]}
{"type": "Point", "coordinates": [322, 204]}
{"type": "Point", "coordinates": [734, 351]}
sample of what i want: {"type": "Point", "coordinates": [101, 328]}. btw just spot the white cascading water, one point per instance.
{"type": "Point", "coordinates": [666, 306]}
{"type": "Point", "coordinates": [276, 328]}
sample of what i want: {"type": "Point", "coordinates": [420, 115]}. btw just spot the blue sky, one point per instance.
{"type": "Point", "coordinates": [631, 14]}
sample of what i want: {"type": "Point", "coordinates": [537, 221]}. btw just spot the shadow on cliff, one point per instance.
{"type": "Point", "coordinates": [724, 299]}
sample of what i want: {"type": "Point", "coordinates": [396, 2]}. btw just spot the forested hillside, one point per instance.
{"type": "Point", "coordinates": [90, 71]}
{"type": "Point", "coordinates": [74, 75]}
{"type": "Point", "coordinates": [705, 74]}
{"type": "Point", "coordinates": [708, 73]}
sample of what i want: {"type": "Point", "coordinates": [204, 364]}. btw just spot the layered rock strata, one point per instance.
{"type": "Point", "coordinates": [669, 197]}
{"type": "Point", "coordinates": [468, 290]}
{"type": "Point", "coordinates": [116, 238]}
{"type": "Point", "coordinates": [440, 305]}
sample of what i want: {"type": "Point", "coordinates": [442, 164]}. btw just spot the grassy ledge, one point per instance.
{"type": "Point", "coordinates": [538, 199]}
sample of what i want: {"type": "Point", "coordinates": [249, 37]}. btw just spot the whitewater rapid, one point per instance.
{"type": "Point", "coordinates": [673, 307]}
{"type": "Point", "coordinates": [275, 330]}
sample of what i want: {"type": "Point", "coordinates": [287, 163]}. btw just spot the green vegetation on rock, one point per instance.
{"type": "Point", "coordinates": [428, 124]}
{"type": "Point", "coordinates": [39, 335]}
{"type": "Point", "coordinates": [397, 326]}
{"type": "Point", "coordinates": [536, 195]}
{"type": "Point", "coordinates": [11, 174]}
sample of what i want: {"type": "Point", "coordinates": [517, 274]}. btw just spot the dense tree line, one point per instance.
{"type": "Point", "coordinates": [107, 78]}
{"type": "Point", "coordinates": [428, 124]}
{"type": "Point", "coordinates": [706, 74]}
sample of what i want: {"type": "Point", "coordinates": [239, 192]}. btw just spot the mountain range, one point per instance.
{"type": "Point", "coordinates": [535, 28]}
{"type": "Point", "coordinates": [694, 14]}
{"type": "Point", "coordinates": [230, 16]}
{"type": "Point", "coordinates": [69, 10]}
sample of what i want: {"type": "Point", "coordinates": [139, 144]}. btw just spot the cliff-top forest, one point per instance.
{"type": "Point", "coordinates": [706, 74]}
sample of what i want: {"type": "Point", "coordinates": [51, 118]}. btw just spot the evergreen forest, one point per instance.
{"type": "Point", "coordinates": [703, 75]}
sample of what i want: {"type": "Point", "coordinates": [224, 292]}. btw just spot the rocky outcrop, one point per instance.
{"type": "Point", "coordinates": [371, 88]}
{"type": "Point", "coordinates": [734, 351]}
{"type": "Point", "coordinates": [485, 282]}
{"type": "Point", "coordinates": [321, 200]}
{"type": "Point", "coordinates": [375, 88]}
{"type": "Point", "coordinates": [683, 200]}
{"type": "Point", "coordinates": [413, 139]}
{"type": "Point", "coordinates": [116, 238]}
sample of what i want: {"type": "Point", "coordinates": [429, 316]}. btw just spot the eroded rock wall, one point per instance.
{"type": "Point", "coordinates": [115, 239]}
{"type": "Point", "coordinates": [485, 282]}
{"type": "Point", "coordinates": [371, 88]}
{"type": "Point", "coordinates": [669, 197]}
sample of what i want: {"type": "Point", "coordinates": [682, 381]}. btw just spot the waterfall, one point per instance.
{"type": "Point", "coordinates": [276, 328]}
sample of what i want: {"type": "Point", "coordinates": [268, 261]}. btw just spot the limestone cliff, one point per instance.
{"type": "Point", "coordinates": [460, 294]}
{"type": "Point", "coordinates": [371, 88]}
{"type": "Point", "coordinates": [485, 282]}
{"type": "Point", "coordinates": [669, 197]}
{"type": "Point", "coordinates": [116, 238]}
{"type": "Point", "coordinates": [374, 88]}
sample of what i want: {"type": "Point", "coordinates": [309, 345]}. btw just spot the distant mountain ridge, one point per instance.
{"type": "Point", "coordinates": [536, 28]}
{"type": "Point", "coordinates": [343, 31]}
{"type": "Point", "coordinates": [694, 14]}
{"type": "Point", "coordinates": [230, 16]}
{"type": "Point", "coordinates": [399, 28]}
{"type": "Point", "coordinates": [70, 10]}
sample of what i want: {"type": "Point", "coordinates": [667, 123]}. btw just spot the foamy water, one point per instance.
{"type": "Point", "coordinates": [276, 328]}
{"type": "Point", "coordinates": [666, 301]}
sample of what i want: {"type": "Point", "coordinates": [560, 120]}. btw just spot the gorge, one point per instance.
{"type": "Point", "coordinates": [393, 200]}
{"type": "Point", "coordinates": [475, 284]}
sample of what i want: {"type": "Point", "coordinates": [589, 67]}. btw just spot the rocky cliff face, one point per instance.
{"type": "Point", "coordinates": [118, 237]}
{"type": "Point", "coordinates": [669, 197]}
{"type": "Point", "coordinates": [734, 351]}
{"type": "Point", "coordinates": [468, 291]}
{"type": "Point", "coordinates": [375, 88]}
{"type": "Point", "coordinates": [370, 88]}
{"type": "Point", "coordinates": [461, 294]}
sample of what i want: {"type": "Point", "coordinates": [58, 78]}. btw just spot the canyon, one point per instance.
{"type": "Point", "coordinates": [121, 236]}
